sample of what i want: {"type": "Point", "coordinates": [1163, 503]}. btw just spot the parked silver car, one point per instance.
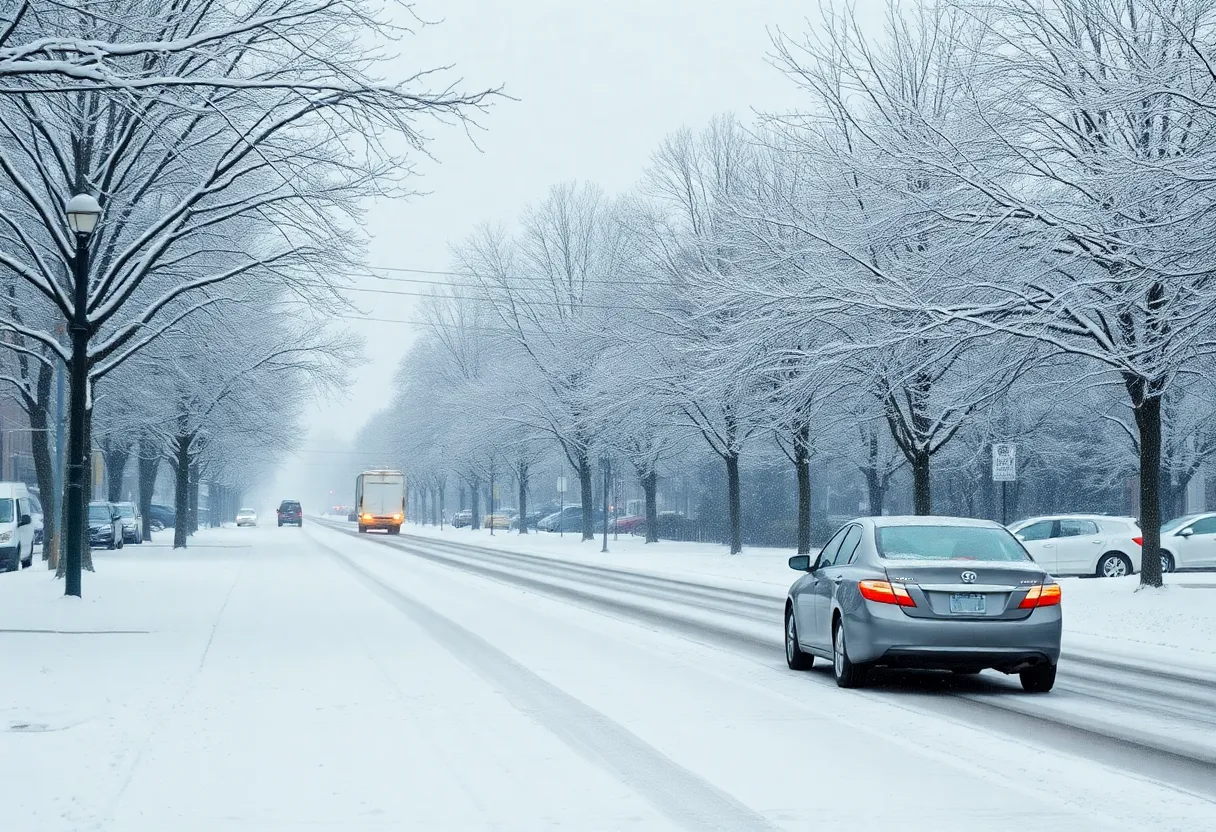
{"type": "Point", "coordinates": [132, 522]}
{"type": "Point", "coordinates": [937, 593]}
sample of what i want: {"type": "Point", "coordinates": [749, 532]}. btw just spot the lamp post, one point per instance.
{"type": "Point", "coordinates": [83, 213]}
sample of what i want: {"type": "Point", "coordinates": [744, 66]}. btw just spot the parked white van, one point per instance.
{"type": "Point", "coordinates": [16, 527]}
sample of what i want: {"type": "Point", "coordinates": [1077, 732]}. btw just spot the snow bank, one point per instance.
{"type": "Point", "coordinates": [756, 567]}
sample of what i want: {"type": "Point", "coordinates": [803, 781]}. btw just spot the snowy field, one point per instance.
{"type": "Point", "coordinates": [1177, 623]}
{"type": "Point", "coordinates": [286, 679]}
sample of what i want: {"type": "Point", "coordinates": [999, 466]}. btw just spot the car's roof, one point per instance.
{"type": "Point", "coordinates": [928, 520]}
{"type": "Point", "coordinates": [239, 510]}
{"type": "Point", "coordinates": [1039, 519]}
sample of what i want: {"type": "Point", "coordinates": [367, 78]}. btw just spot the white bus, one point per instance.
{"type": "Point", "coordinates": [380, 500]}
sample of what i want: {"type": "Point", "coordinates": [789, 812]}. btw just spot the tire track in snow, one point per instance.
{"type": "Point", "coordinates": [687, 799]}
{"type": "Point", "coordinates": [988, 704]}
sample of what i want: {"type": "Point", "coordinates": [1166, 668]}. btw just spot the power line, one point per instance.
{"type": "Point", "coordinates": [513, 278]}
{"type": "Point", "coordinates": [489, 300]}
{"type": "Point", "coordinates": [411, 322]}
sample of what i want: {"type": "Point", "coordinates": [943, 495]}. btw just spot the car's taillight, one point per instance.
{"type": "Point", "coordinates": [885, 592]}
{"type": "Point", "coordinates": [1139, 541]}
{"type": "Point", "coordinates": [1045, 595]}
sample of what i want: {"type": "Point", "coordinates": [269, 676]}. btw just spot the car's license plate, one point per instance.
{"type": "Point", "coordinates": [967, 604]}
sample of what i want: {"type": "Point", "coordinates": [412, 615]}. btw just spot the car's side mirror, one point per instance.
{"type": "Point", "coordinates": [800, 563]}
{"type": "Point", "coordinates": [24, 520]}
{"type": "Point", "coordinates": [1186, 532]}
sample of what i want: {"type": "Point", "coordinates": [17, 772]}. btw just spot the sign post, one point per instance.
{"type": "Point", "coordinates": [561, 514]}
{"type": "Point", "coordinates": [1004, 471]}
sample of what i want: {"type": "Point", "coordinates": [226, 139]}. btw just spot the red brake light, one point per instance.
{"type": "Point", "coordinates": [885, 592]}
{"type": "Point", "coordinates": [1044, 595]}
{"type": "Point", "coordinates": [1139, 541]}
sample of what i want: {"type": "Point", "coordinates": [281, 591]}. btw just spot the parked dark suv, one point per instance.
{"type": "Point", "coordinates": [291, 514]}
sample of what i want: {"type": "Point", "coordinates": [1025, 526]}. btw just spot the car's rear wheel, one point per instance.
{"type": "Point", "coordinates": [1114, 565]}
{"type": "Point", "coordinates": [848, 674]}
{"type": "Point", "coordinates": [394, 530]}
{"type": "Point", "coordinates": [1167, 563]}
{"type": "Point", "coordinates": [362, 529]}
{"type": "Point", "coordinates": [1038, 679]}
{"type": "Point", "coordinates": [794, 657]}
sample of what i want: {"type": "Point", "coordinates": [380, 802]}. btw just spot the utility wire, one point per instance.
{"type": "Point", "coordinates": [511, 279]}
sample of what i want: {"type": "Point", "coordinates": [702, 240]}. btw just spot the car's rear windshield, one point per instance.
{"type": "Point", "coordinates": [1178, 522]}
{"type": "Point", "coordinates": [948, 543]}
{"type": "Point", "coordinates": [290, 506]}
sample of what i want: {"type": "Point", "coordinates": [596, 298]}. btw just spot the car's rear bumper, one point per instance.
{"type": "Point", "coordinates": [889, 637]}
{"type": "Point", "coordinates": [380, 523]}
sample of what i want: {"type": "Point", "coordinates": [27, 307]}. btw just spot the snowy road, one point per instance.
{"type": "Point", "coordinates": [286, 679]}
{"type": "Point", "coordinates": [1139, 715]}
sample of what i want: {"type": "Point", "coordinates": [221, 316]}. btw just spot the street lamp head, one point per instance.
{"type": "Point", "coordinates": [83, 212]}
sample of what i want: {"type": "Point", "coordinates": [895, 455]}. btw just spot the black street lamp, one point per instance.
{"type": "Point", "coordinates": [83, 213]}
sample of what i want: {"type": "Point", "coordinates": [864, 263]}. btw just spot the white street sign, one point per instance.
{"type": "Point", "coordinates": [561, 485]}
{"type": "Point", "coordinates": [1004, 462]}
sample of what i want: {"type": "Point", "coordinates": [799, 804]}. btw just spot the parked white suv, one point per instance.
{"type": "Point", "coordinates": [1189, 542]}
{"type": "Point", "coordinates": [16, 527]}
{"type": "Point", "coordinates": [1082, 544]}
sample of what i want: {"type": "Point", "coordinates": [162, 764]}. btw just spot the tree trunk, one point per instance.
{"type": "Point", "coordinates": [193, 496]}
{"type": "Point", "coordinates": [442, 489]}
{"type": "Point", "coordinates": [734, 503]}
{"type": "Point", "coordinates": [116, 457]}
{"type": "Point", "coordinates": [921, 494]}
{"type": "Point", "coordinates": [802, 468]}
{"type": "Point", "coordinates": [650, 487]}
{"type": "Point", "coordinates": [607, 466]}
{"type": "Point", "coordinates": [422, 492]}
{"type": "Point", "coordinates": [181, 489]}
{"type": "Point", "coordinates": [521, 478]}
{"type": "Point", "coordinates": [215, 504]}
{"type": "Point", "coordinates": [587, 497]}
{"type": "Point", "coordinates": [1148, 420]}
{"type": "Point", "coordinates": [149, 464]}
{"type": "Point", "coordinates": [475, 503]}
{"type": "Point", "coordinates": [44, 465]}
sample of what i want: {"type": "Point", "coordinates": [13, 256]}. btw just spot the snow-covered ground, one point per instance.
{"type": "Point", "coordinates": [282, 679]}
{"type": "Point", "coordinates": [1176, 624]}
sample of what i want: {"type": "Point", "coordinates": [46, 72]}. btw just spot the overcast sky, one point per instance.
{"type": "Point", "coordinates": [598, 85]}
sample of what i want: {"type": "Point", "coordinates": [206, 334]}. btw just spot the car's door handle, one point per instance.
{"type": "Point", "coordinates": [837, 580]}
{"type": "Point", "coordinates": [1048, 545]}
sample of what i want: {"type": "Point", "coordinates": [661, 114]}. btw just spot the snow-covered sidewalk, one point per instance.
{"type": "Point", "coordinates": [1176, 625]}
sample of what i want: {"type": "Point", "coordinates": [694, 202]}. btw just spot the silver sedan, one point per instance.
{"type": "Point", "coordinates": [939, 593]}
